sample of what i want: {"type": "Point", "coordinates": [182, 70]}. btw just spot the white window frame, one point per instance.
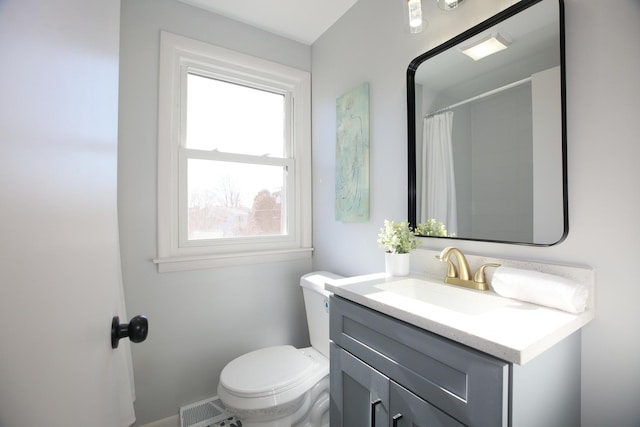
{"type": "Point", "coordinates": [178, 56]}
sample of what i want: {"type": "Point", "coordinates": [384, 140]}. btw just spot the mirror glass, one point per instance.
{"type": "Point", "coordinates": [487, 138]}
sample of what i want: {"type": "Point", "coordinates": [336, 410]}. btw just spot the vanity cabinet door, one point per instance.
{"type": "Point", "coordinates": [359, 393]}
{"type": "Point", "coordinates": [408, 410]}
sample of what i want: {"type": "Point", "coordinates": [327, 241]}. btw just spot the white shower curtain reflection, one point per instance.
{"type": "Point", "coordinates": [438, 178]}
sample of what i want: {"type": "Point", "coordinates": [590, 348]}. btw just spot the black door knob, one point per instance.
{"type": "Point", "coordinates": [137, 330]}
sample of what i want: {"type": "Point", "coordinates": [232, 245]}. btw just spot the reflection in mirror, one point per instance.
{"type": "Point", "coordinates": [487, 135]}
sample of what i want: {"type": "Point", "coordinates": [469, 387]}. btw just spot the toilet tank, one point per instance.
{"type": "Point", "coordinates": [316, 304]}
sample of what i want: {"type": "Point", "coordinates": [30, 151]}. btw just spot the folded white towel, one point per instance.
{"type": "Point", "coordinates": [540, 288]}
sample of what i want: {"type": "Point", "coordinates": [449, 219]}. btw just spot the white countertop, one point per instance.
{"type": "Point", "coordinates": [508, 329]}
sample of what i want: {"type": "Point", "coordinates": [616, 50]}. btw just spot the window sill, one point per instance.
{"type": "Point", "coordinates": [171, 264]}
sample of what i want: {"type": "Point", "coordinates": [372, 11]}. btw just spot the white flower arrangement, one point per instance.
{"type": "Point", "coordinates": [397, 237]}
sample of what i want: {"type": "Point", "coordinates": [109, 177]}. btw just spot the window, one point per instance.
{"type": "Point", "coordinates": [234, 182]}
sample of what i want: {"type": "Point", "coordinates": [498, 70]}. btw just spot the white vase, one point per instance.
{"type": "Point", "coordinates": [396, 264]}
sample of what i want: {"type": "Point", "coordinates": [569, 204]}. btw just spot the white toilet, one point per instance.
{"type": "Point", "coordinates": [283, 386]}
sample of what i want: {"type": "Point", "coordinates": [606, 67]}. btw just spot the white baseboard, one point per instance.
{"type": "Point", "coordinates": [166, 422]}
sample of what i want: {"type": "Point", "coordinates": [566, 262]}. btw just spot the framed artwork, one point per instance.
{"type": "Point", "coordinates": [352, 155]}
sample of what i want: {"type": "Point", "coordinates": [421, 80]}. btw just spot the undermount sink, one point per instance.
{"type": "Point", "coordinates": [423, 293]}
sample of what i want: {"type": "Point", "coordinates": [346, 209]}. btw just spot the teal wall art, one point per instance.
{"type": "Point", "coordinates": [352, 155]}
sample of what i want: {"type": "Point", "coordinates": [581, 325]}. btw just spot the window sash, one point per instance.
{"type": "Point", "coordinates": [279, 90]}
{"type": "Point", "coordinates": [288, 165]}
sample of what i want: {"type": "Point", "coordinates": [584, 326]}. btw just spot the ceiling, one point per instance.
{"type": "Point", "coordinates": [300, 20]}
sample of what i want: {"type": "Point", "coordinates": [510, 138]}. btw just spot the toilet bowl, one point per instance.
{"type": "Point", "coordinates": [282, 386]}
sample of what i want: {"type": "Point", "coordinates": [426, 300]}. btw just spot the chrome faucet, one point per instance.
{"type": "Point", "coordinates": [462, 274]}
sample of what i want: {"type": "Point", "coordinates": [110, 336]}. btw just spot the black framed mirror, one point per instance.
{"type": "Point", "coordinates": [487, 137]}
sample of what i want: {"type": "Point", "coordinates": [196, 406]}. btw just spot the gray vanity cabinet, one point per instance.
{"type": "Point", "coordinates": [387, 373]}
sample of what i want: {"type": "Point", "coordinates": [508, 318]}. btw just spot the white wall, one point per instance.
{"type": "Point", "coordinates": [368, 44]}
{"type": "Point", "coordinates": [199, 320]}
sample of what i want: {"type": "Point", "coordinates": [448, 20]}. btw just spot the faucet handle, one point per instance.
{"type": "Point", "coordinates": [452, 271]}
{"type": "Point", "coordinates": [479, 276]}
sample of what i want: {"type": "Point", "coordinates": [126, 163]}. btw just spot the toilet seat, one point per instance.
{"type": "Point", "coordinates": [269, 377]}
{"type": "Point", "coordinates": [266, 371]}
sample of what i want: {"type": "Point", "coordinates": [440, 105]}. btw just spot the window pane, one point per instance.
{"type": "Point", "coordinates": [234, 200]}
{"type": "Point", "coordinates": [234, 118]}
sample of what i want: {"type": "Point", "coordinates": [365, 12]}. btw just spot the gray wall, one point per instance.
{"type": "Point", "coordinates": [368, 44]}
{"type": "Point", "coordinates": [199, 320]}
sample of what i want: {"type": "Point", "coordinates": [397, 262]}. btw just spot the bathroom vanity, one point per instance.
{"type": "Point", "coordinates": [414, 351]}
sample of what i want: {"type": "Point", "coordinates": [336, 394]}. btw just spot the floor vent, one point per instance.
{"type": "Point", "coordinates": [203, 413]}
